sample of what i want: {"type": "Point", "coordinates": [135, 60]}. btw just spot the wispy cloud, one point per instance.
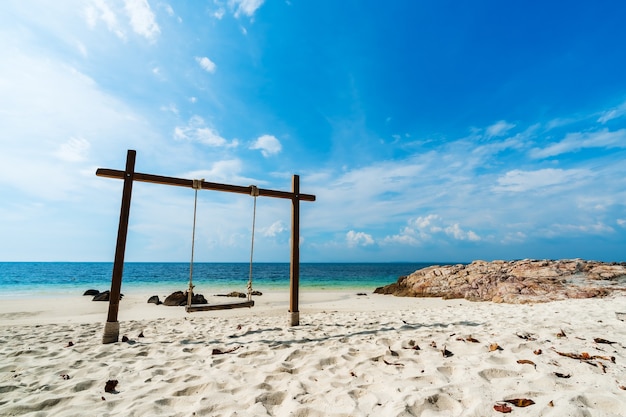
{"type": "Point", "coordinates": [99, 10]}
{"type": "Point", "coordinates": [142, 19]}
{"type": "Point", "coordinates": [519, 181]}
{"type": "Point", "coordinates": [219, 13]}
{"type": "Point", "coordinates": [196, 130]}
{"type": "Point", "coordinates": [246, 7]}
{"type": "Point", "coordinates": [267, 144]}
{"type": "Point", "coordinates": [577, 141]}
{"type": "Point", "coordinates": [74, 150]}
{"type": "Point", "coordinates": [498, 129]}
{"type": "Point", "coordinates": [615, 113]}
{"type": "Point", "coordinates": [224, 170]}
{"type": "Point", "coordinates": [206, 64]}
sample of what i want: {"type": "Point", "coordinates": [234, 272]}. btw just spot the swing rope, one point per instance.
{"type": "Point", "coordinates": [254, 192]}
{"type": "Point", "coordinates": [197, 185]}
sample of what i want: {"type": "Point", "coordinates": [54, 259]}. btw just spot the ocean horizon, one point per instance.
{"type": "Point", "coordinates": [53, 279]}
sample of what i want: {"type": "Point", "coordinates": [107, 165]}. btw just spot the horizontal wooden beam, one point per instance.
{"type": "Point", "coordinates": [205, 185]}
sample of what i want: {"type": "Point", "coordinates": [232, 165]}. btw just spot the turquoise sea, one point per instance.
{"type": "Point", "coordinates": [50, 279]}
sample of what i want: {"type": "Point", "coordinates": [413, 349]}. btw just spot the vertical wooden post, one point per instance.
{"type": "Point", "coordinates": [112, 326]}
{"type": "Point", "coordinates": [294, 276]}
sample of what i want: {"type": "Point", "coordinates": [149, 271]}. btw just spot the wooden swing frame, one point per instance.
{"type": "Point", "coordinates": [111, 331]}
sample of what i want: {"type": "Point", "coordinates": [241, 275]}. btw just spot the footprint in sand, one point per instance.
{"type": "Point", "coordinates": [439, 403]}
{"type": "Point", "coordinates": [494, 373]}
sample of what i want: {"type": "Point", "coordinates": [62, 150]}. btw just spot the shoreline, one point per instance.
{"type": "Point", "coordinates": [134, 306]}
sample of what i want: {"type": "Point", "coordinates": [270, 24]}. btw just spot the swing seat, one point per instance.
{"type": "Point", "coordinates": [223, 306]}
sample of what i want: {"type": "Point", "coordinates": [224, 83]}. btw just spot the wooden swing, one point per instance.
{"type": "Point", "coordinates": [191, 308]}
{"type": "Point", "coordinates": [112, 326]}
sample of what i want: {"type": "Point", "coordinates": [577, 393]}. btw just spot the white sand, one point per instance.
{"type": "Point", "coordinates": [351, 356]}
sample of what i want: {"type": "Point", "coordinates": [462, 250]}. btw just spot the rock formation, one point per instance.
{"type": "Point", "coordinates": [104, 296]}
{"type": "Point", "coordinates": [155, 300]}
{"type": "Point", "coordinates": [521, 281]}
{"type": "Point", "coordinates": [179, 298]}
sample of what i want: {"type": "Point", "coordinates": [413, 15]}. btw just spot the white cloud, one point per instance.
{"type": "Point", "coordinates": [74, 150]}
{"type": "Point", "coordinates": [206, 64]}
{"type": "Point", "coordinates": [613, 113]}
{"type": "Point", "coordinates": [268, 145]}
{"type": "Point", "coordinates": [582, 140]}
{"type": "Point", "coordinates": [100, 10]}
{"type": "Point", "coordinates": [514, 237]}
{"type": "Point", "coordinates": [522, 181]}
{"type": "Point", "coordinates": [219, 13]}
{"type": "Point", "coordinates": [142, 18]}
{"type": "Point", "coordinates": [247, 7]}
{"type": "Point", "coordinates": [169, 10]}
{"type": "Point", "coordinates": [621, 222]}
{"type": "Point", "coordinates": [225, 170]}
{"type": "Point", "coordinates": [498, 129]}
{"type": "Point", "coordinates": [158, 74]}
{"type": "Point", "coordinates": [422, 229]}
{"type": "Point", "coordinates": [456, 232]}
{"type": "Point", "coordinates": [170, 108]}
{"type": "Point", "coordinates": [358, 239]}
{"type": "Point", "coordinates": [275, 229]}
{"type": "Point", "coordinates": [197, 131]}
{"type": "Point", "coordinates": [427, 224]}
{"type": "Point", "coordinates": [598, 228]}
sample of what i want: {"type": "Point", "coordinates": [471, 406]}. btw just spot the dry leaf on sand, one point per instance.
{"type": "Point", "coordinates": [503, 408]}
{"type": "Point", "coordinates": [520, 402]}
{"type": "Point", "coordinates": [222, 352]}
{"type": "Point", "coordinates": [494, 346]}
{"type": "Point", "coordinates": [600, 340]}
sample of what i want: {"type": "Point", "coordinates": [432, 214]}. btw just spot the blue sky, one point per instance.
{"type": "Point", "coordinates": [429, 131]}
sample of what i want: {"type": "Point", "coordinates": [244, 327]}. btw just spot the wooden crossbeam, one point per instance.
{"type": "Point", "coordinates": [205, 185]}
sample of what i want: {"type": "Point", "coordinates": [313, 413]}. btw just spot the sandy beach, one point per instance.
{"type": "Point", "coordinates": [352, 355]}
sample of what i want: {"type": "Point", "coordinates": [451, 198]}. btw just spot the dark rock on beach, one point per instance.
{"type": "Point", "coordinates": [198, 299]}
{"type": "Point", "coordinates": [91, 292]}
{"type": "Point", "coordinates": [522, 281]}
{"type": "Point", "coordinates": [238, 294]}
{"type": "Point", "coordinates": [179, 298]}
{"type": "Point", "coordinates": [155, 300]}
{"type": "Point", "coordinates": [104, 296]}
{"type": "Point", "coordinates": [233, 294]}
